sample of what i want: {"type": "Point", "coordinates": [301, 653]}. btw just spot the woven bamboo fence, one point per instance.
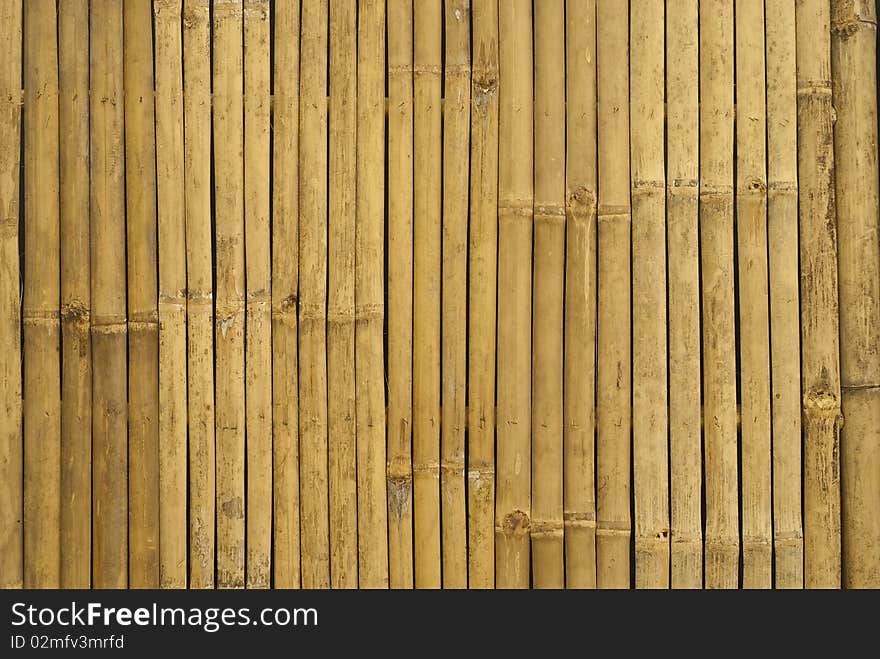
{"type": "Point", "coordinates": [439, 293]}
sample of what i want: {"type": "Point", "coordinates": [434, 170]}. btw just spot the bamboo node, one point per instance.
{"type": "Point", "coordinates": [75, 312]}
{"type": "Point", "coordinates": [546, 529]}
{"type": "Point", "coordinates": [515, 523]}
{"type": "Point", "coordinates": [365, 312]}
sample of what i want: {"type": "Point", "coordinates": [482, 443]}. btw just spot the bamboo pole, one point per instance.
{"type": "Point", "coordinates": [719, 334]}
{"type": "Point", "coordinates": [109, 327]}
{"type": "Point", "coordinates": [683, 258]}
{"type": "Point", "coordinates": [579, 387]}
{"type": "Point", "coordinates": [427, 199]}
{"type": "Point", "coordinates": [820, 361]}
{"type": "Point", "coordinates": [229, 330]}
{"type": "Point", "coordinates": [200, 291]}
{"type": "Point", "coordinates": [482, 254]}
{"type": "Point", "coordinates": [752, 271]}
{"type": "Point", "coordinates": [854, 69]}
{"type": "Point", "coordinates": [650, 395]}
{"type": "Point", "coordinates": [340, 304]}
{"type": "Point", "coordinates": [613, 530]}
{"type": "Point", "coordinates": [285, 280]}
{"type": "Point", "coordinates": [548, 569]}
{"type": "Point", "coordinates": [456, 146]}
{"type": "Point", "coordinates": [11, 558]}
{"type": "Point", "coordinates": [369, 298]}
{"type": "Point", "coordinates": [782, 231]}
{"type": "Point", "coordinates": [76, 383]}
{"type": "Point", "coordinates": [143, 319]}
{"type": "Point", "coordinates": [515, 219]}
{"type": "Point", "coordinates": [258, 356]}
{"type": "Point", "coordinates": [313, 296]}
{"type": "Point", "coordinates": [400, 291]}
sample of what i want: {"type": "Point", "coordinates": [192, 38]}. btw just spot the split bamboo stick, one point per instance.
{"type": "Point", "coordinates": [785, 347]}
{"type": "Point", "coordinates": [719, 333]}
{"type": "Point", "coordinates": [854, 69]}
{"type": "Point", "coordinates": [109, 327]}
{"type": "Point", "coordinates": [752, 271]}
{"type": "Point", "coordinates": [548, 567]}
{"type": "Point", "coordinates": [313, 296]}
{"type": "Point", "coordinates": [613, 530]}
{"type": "Point", "coordinates": [683, 258]}
{"type": "Point", "coordinates": [200, 291]}
{"type": "Point", "coordinates": [285, 280]}
{"type": "Point", "coordinates": [400, 292]}
{"type": "Point", "coordinates": [456, 131]}
{"type": "Point", "coordinates": [372, 501]}
{"type": "Point", "coordinates": [11, 558]}
{"type": "Point", "coordinates": [258, 356]}
{"type": "Point", "coordinates": [483, 245]}
{"type": "Point", "coordinates": [820, 360]}
{"type": "Point", "coordinates": [76, 383]}
{"type": "Point", "coordinates": [579, 387]}
{"type": "Point", "coordinates": [427, 228]}
{"type": "Point", "coordinates": [340, 304]}
{"type": "Point", "coordinates": [515, 219]}
{"type": "Point", "coordinates": [229, 330]}
{"type": "Point", "coordinates": [143, 315]}
{"type": "Point", "coordinates": [650, 394]}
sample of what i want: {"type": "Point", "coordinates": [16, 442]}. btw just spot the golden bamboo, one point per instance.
{"type": "Point", "coordinates": [10, 301]}
{"type": "Point", "coordinates": [579, 387]}
{"type": "Point", "coordinates": [109, 327]}
{"type": "Point", "coordinates": [515, 219]}
{"type": "Point", "coordinates": [548, 569]}
{"type": "Point", "coordinates": [719, 338]}
{"type": "Point", "coordinates": [820, 361]}
{"type": "Point", "coordinates": [482, 254]}
{"type": "Point", "coordinates": [229, 331]}
{"type": "Point", "coordinates": [400, 291]}
{"type": "Point", "coordinates": [200, 291]}
{"type": "Point", "coordinates": [76, 383]}
{"type": "Point", "coordinates": [613, 530]}
{"type": "Point", "coordinates": [650, 420]}
{"type": "Point", "coordinates": [285, 279]}
{"type": "Point", "coordinates": [456, 131]}
{"type": "Point", "coordinates": [372, 503]}
{"type": "Point", "coordinates": [854, 69]}
{"type": "Point", "coordinates": [340, 304]}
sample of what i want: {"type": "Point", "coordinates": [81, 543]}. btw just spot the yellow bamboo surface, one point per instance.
{"type": "Point", "coordinates": [439, 294]}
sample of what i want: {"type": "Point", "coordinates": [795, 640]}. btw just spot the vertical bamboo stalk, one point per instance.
{"type": "Point", "coordinates": [483, 246]}
{"type": "Point", "coordinates": [683, 258]}
{"type": "Point", "coordinates": [200, 291]}
{"type": "Point", "coordinates": [313, 296]}
{"type": "Point", "coordinates": [340, 304]}
{"type": "Point", "coordinates": [579, 387]}
{"type": "Point", "coordinates": [285, 279]}
{"type": "Point", "coordinates": [456, 131]}
{"type": "Point", "coordinates": [854, 68]}
{"type": "Point", "coordinates": [650, 395]}
{"type": "Point", "coordinates": [76, 383]}
{"type": "Point", "coordinates": [258, 357]}
{"type": "Point", "coordinates": [109, 327]}
{"type": "Point", "coordinates": [754, 322]}
{"type": "Point", "coordinates": [515, 219]}
{"type": "Point", "coordinates": [11, 564]}
{"type": "Point", "coordinates": [820, 360]}
{"type": "Point", "coordinates": [400, 291]}
{"type": "Point", "coordinates": [369, 298]}
{"type": "Point", "coordinates": [143, 319]}
{"type": "Point", "coordinates": [613, 530]}
{"type": "Point", "coordinates": [427, 66]}
{"type": "Point", "coordinates": [719, 334]}
{"type": "Point", "coordinates": [229, 330]}
{"type": "Point", "coordinates": [785, 348]}
{"type": "Point", "coordinates": [548, 569]}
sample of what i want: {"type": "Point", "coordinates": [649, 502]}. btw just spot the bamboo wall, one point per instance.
{"type": "Point", "coordinates": [439, 293]}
